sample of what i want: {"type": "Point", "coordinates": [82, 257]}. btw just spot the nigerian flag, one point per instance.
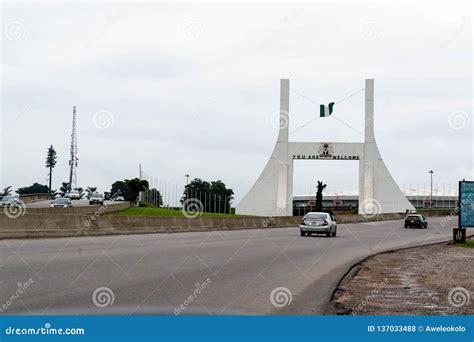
{"type": "Point", "coordinates": [326, 110]}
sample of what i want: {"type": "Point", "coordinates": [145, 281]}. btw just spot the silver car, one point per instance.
{"type": "Point", "coordinates": [318, 223]}
{"type": "Point", "coordinates": [10, 201]}
{"type": "Point", "coordinates": [73, 195]}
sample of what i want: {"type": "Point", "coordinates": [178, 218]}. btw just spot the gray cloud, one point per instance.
{"type": "Point", "coordinates": [192, 88]}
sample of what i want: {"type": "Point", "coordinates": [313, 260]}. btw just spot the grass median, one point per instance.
{"type": "Point", "coordinates": [467, 244]}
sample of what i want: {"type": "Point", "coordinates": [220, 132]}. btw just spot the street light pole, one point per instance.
{"type": "Point", "coordinates": [431, 192]}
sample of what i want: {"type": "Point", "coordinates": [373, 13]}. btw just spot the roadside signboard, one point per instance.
{"type": "Point", "coordinates": [466, 204]}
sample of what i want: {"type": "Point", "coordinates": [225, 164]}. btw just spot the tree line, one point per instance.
{"type": "Point", "coordinates": [213, 196]}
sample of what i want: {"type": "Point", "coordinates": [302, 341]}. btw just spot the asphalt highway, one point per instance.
{"type": "Point", "coordinates": [271, 271]}
{"type": "Point", "coordinates": [47, 203]}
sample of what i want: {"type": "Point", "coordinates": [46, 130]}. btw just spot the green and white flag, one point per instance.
{"type": "Point", "coordinates": [326, 110]}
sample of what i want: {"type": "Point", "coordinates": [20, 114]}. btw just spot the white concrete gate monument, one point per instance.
{"type": "Point", "coordinates": [272, 193]}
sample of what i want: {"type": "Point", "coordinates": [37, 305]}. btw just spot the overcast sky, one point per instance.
{"type": "Point", "coordinates": [191, 88]}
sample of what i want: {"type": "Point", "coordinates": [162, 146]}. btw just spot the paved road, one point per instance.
{"type": "Point", "coordinates": [47, 204]}
{"type": "Point", "coordinates": [156, 273]}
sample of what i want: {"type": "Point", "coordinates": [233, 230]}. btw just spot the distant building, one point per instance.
{"type": "Point", "coordinates": [348, 201]}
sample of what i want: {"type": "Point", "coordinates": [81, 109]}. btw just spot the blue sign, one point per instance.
{"type": "Point", "coordinates": [466, 204]}
{"type": "Point", "coordinates": [237, 328]}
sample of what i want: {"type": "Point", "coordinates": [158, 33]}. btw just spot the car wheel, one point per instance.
{"type": "Point", "coordinates": [302, 233]}
{"type": "Point", "coordinates": [334, 234]}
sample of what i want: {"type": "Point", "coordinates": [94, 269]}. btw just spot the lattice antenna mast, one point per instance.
{"type": "Point", "coordinates": [74, 159]}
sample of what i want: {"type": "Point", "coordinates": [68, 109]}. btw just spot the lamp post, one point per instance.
{"type": "Point", "coordinates": [187, 179]}
{"type": "Point", "coordinates": [431, 191]}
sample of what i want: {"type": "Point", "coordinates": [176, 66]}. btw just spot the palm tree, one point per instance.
{"type": "Point", "coordinates": [51, 163]}
{"type": "Point", "coordinates": [90, 190]}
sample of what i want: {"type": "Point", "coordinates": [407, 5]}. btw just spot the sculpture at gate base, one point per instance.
{"type": "Point", "coordinates": [319, 196]}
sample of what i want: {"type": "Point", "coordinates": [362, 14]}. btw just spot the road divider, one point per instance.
{"type": "Point", "coordinates": [84, 221]}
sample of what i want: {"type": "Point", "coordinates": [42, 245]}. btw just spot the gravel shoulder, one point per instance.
{"type": "Point", "coordinates": [430, 280]}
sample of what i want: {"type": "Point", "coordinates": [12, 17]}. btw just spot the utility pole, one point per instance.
{"type": "Point", "coordinates": [431, 192]}
{"type": "Point", "coordinates": [73, 157]}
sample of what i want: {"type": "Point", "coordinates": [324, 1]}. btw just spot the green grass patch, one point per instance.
{"type": "Point", "coordinates": [468, 244]}
{"type": "Point", "coordinates": [166, 212]}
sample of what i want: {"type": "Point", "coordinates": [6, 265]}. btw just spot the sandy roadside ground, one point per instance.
{"type": "Point", "coordinates": [430, 280]}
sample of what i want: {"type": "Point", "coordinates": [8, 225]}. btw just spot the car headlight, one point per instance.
{"type": "Point", "coordinates": [52, 206]}
{"type": "Point", "coordinates": [65, 206]}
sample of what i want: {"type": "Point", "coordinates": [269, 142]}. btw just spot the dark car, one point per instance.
{"type": "Point", "coordinates": [61, 203]}
{"type": "Point", "coordinates": [415, 221]}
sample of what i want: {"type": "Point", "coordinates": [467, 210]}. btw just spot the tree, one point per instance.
{"type": "Point", "coordinates": [6, 191]}
{"type": "Point", "coordinates": [51, 163]}
{"type": "Point", "coordinates": [90, 190]}
{"type": "Point", "coordinates": [220, 197]}
{"type": "Point", "coordinates": [65, 187]}
{"type": "Point", "coordinates": [211, 197]}
{"type": "Point", "coordinates": [135, 186]}
{"type": "Point", "coordinates": [54, 193]}
{"type": "Point", "coordinates": [129, 188]}
{"type": "Point", "coordinates": [119, 188]}
{"type": "Point", "coordinates": [319, 196]}
{"type": "Point", "coordinates": [81, 191]}
{"type": "Point", "coordinates": [33, 189]}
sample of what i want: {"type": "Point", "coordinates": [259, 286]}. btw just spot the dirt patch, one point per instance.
{"type": "Point", "coordinates": [431, 280]}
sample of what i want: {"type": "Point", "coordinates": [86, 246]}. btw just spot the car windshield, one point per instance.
{"type": "Point", "coordinates": [61, 201]}
{"type": "Point", "coordinates": [316, 216]}
{"type": "Point", "coordinates": [97, 195]}
{"type": "Point", "coordinates": [413, 217]}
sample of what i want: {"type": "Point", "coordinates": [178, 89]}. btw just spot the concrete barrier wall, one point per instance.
{"type": "Point", "coordinates": [41, 225]}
